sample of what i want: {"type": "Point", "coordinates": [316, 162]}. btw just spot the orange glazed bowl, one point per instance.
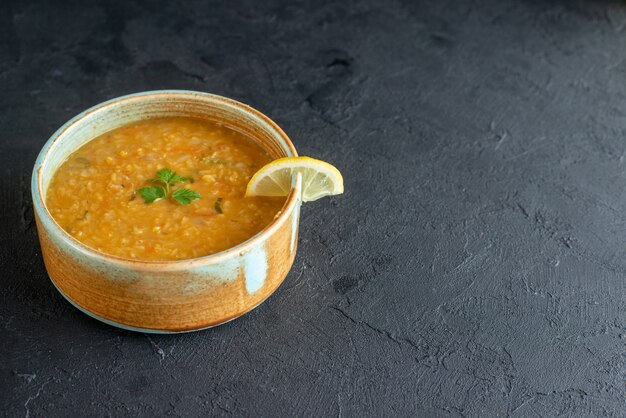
{"type": "Point", "coordinates": [166, 296]}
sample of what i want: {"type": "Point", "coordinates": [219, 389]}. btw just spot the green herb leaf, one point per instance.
{"type": "Point", "coordinates": [165, 175]}
{"type": "Point", "coordinates": [150, 194]}
{"type": "Point", "coordinates": [167, 178]}
{"type": "Point", "coordinates": [218, 205]}
{"type": "Point", "coordinates": [185, 196]}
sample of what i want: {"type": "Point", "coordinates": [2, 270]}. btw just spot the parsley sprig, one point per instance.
{"type": "Point", "coordinates": [166, 179]}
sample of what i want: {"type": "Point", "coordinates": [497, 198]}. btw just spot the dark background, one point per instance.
{"type": "Point", "coordinates": [474, 267]}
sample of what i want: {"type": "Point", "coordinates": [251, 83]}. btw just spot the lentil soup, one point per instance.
{"type": "Point", "coordinates": [94, 195]}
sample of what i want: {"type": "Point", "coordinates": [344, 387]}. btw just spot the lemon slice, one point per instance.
{"type": "Point", "coordinates": [319, 178]}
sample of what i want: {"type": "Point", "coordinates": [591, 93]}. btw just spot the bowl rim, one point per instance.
{"type": "Point", "coordinates": [41, 209]}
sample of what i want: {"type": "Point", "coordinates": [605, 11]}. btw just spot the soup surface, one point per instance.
{"type": "Point", "coordinates": [97, 197]}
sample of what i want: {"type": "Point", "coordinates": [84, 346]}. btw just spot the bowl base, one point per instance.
{"type": "Point", "coordinates": [129, 327]}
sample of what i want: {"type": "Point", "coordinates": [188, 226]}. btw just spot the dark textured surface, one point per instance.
{"type": "Point", "coordinates": [474, 267]}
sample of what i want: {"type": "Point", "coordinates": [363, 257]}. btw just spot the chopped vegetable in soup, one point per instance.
{"type": "Point", "coordinates": [162, 189]}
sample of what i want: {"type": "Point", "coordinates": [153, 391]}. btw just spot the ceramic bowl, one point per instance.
{"type": "Point", "coordinates": [166, 296]}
